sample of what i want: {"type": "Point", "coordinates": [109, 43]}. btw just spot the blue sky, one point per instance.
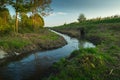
{"type": "Point", "coordinates": [66, 11]}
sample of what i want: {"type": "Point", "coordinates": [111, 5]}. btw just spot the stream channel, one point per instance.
{"type": "Point", "coordinates": [36, 65]}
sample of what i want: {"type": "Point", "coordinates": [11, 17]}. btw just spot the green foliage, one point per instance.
{"type": "Point", "coordinates": [22, 7]}
{"type": "Point", "coordinates": [81, 18]}
{"type": "Point", "coordinates": [30, 24]}
{"type": "Point", "coordinates": [13, 43]}
{"type": "Point", "coordinates": [25, 25]}
{"type": "Point", "coordinates": [37, 20]}
{"type": "Point", "coordinates": [5, 28]}
{"type": "Point", "coordinates": [40, 6]}
{"type": "Point", "coordinates": [88, 64]}
{"type": "Point", "coordinates": [3, 3]}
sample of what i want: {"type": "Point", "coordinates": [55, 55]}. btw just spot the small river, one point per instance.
{"type": "Point", "coordinates": [36, 65]}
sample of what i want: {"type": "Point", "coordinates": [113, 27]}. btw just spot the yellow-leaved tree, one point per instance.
{"type": "Point", "coordinates": [38, 21]}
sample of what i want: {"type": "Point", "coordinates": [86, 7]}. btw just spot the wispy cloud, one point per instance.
{"type": "Point", "coordinates": [61, 13]}
{"type": "Point", "coordinates": [58, 13]}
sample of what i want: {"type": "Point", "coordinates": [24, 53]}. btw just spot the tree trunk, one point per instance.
{"type": "Point", "coordinates": [16, 23]}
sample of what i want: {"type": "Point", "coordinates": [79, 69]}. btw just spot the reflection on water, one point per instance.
{"type": "Point", "coordinates": [83, 44]}
{"type": "Point", "coordinates": [34, 66]}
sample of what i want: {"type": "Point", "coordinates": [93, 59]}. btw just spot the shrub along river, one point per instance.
{"type": "Point", "coordinates": [36, 65]}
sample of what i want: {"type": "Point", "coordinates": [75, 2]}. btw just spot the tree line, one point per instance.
{"type": "Point", "coordinates": [111, 19]}
{"type": "Point", "coordinates": [21, 20]}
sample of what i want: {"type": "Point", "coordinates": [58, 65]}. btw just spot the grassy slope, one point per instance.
{"type": "Point", "coordinates": [87, 64]}
{"type": "Point", "coordinates": [101, 63]}
{"type": "Point", "coordinates": [42, 40]}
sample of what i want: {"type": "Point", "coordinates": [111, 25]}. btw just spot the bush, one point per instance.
{"type": "Point", "coordinates": [5, 29]}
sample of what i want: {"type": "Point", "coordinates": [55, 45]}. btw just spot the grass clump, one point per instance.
{"type": "Point", "coordinates": [13, 42]}
{"type": "Point", "coordinates": [16, 43]}
{"type": "Point", "coordinates": [87, 64]}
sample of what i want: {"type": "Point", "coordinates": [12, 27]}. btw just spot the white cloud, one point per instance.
{"type": "Point", "coordinates": [61, 13]}
{"type": "Point", "coordinates": [58, 13]}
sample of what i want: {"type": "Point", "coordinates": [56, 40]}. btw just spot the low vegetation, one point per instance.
{"type": "Point", "coordinates": [100, 63]}
{"type": "Point", "coordinates": [87, 64]}
{"type": "Point", "coordinates": [31, 41]}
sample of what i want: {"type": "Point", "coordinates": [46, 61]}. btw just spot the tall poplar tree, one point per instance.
{"type": "Point", "coordinates": [19, 6]}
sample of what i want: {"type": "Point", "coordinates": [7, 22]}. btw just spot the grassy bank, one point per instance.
{"type": "Point", "coordinates": [28, 42]}
{"type": "Point", "coordinates": [87, 64]}
{"type": "Point", "coordinates": [101, 63]}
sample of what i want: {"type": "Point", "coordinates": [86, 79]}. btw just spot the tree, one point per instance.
{"type": "Point", "coordinates": [4, 14]}
{"type": "Point", "coordinates": [19, 6]}
{"type": "Point", "coordinates": [41, 7]}
{"type": "Point", "coordinates": [3, 3]}
{"type": "Point", "coordinates": [26, 23]}
{"type": "Point", "coordinates": [24, 19]}
{"type": "Point", "coordinates": [35, 6]}
{"type": "Point", "coordinates": [4, 21]}
{"type": "Point", "coordinates": [81, 18]}
{"type": "Point", "coordinates": [38, 21]}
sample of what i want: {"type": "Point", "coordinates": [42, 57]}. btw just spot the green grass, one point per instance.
{"type": "Point", "coordinates": [87, 64]}
{"type": "Point", "coordinates": [50, 36]}
{"type": "Point", "coordinates": [100, 63]}
{"type": "Point", "coordinates": [13, 42]}
{"type": "Point", "coordinates": [44, 39]}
